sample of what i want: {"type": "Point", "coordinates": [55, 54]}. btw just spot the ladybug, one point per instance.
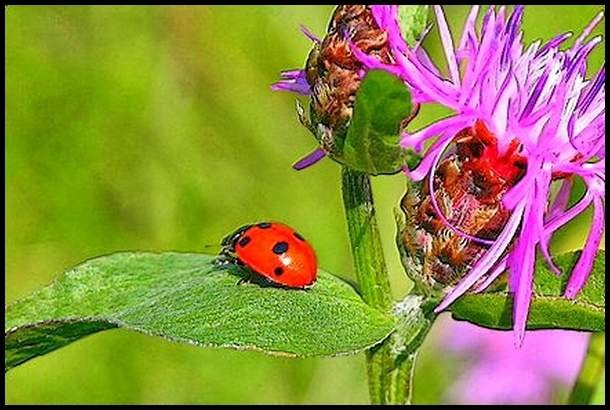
{"type": "Point", "coordinates": [275, 252]}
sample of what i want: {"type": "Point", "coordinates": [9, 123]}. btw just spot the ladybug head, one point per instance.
{"type": "Point", "coordinates": [229, 241]}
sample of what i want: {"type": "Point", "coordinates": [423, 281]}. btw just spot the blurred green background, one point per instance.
{"type": "Point", "coordinates": [153, 128]}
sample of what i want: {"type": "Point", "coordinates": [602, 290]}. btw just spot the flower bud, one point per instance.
{"type": "Point", "coordinates": [356, 116]}
{"type": "Point", "coordinates": [451, 220]}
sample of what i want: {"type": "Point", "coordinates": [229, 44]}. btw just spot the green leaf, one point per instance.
{"type": "Point", "coordinates": [372, 141]}
{"type": "Point", "coordinates": [188, 298]}
{"type": "Point", "coordinates": [412, 21]}
{"type": "Point", "coordinates": [549, 308]}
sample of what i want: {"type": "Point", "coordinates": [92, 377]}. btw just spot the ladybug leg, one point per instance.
{"type": "Point", "coordinates": [224, 258]}
{"type": "Point", "coordinates": [246, 279]}
{"type": "Point", "coordinates": [242, 281]}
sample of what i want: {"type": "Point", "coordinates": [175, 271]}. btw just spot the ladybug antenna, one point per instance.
{"type": "Point", "coordinates": [214, 247]}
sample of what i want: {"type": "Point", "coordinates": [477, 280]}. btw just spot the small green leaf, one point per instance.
{"type": "Point", "coordinates": [372, 141]}
{"type": "Point", "coordinates": [412, 21]}
{"type": "Point", "coordinates": [549, 308]}
{"type": "Point", "coordinates": [188, 298]}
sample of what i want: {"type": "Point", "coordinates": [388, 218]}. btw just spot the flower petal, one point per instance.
{"type": "Point", "coordinates": [309, 159]}
{"type": "Point", "coordinates": [523, 273]}
{"type": "Point", "coordinates": [448, 47]}
{"type": "Point", "coordinates": [310, 35]}
{"type": "Point", "coordinates": [561, 199]}
{"type": "Point", "coordinates": [447, 126]}
{"type": "Point", "coordinates": [499, 269]}
{"type": "Point", "coordinates": [293, 81]}
{"type": "Point", "coordinates": [583, 267]}
{"type": "Point", "coordinates": [589, 28]}
{"type": "Point", "coordinates": [562, 218]}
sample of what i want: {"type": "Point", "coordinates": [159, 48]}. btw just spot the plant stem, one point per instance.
{"type": "Point", "coordinates": [369, 262]}
{"type": "Point", "coordinates": [414, 318]}
{"type": "Point", "coordinates": [370, 269]}
{"type": "Point", "coordinates": [401, 388]}
{"type": "Point", "coordinates": [591, 371]}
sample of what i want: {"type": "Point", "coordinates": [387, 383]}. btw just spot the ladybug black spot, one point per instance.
{"type": "Point", "coordinates": [244, 241]}
{"type": "Point", "coordinates": [264, 225]}
{"type": "Point", "coordinates": [278, 271]}
{"type": "Point", "coordinates": [280, 247]}
{"type": "Point", "coordinates": [298, 236]}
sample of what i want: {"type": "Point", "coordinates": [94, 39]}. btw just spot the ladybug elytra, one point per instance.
{"type": "Point", "coordinates": [275, 252]}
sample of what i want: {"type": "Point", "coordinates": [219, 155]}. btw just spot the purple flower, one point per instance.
{"type": "Point", "coordinates": [295, 80]}
{"type": "Point", "coordinates": [538, 96]}
{"type": "Point", "coordinates": [332, 77]}
{"type": "Point", "coordinates": [498, 373]}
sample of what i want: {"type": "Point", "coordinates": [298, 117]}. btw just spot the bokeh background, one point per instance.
{"type": "Point", "coordinates": [153, 128]}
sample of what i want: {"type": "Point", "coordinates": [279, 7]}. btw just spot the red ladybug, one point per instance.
{"type": "Point", "coordinates": [274, 251]}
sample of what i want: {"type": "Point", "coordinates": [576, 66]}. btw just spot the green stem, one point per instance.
{"type": "Point", "coordinates": [370, 269]}
{"type": "Point", "coordinates": [401, 388]}
{"type": "Point", "coordinates": [591, 371]}
{"type": "Point", "coordinates": [369, 262]}
{"type": "Point", "coordinates": [414, 319]}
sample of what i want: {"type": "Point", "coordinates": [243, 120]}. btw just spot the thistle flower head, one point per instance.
{"type": "Point", "coordinates": [537, 119]}
{"type": "Point", "coordinates": [332, 76]}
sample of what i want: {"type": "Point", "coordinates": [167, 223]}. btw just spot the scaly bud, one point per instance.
{"type": "Point", "coordinates": [450, 226]}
